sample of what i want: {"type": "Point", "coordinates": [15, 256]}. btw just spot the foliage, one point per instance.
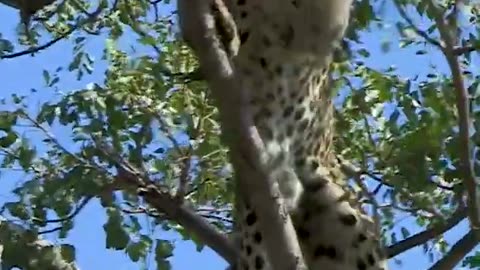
{"type": "Point", "coordinates": [154, 111]}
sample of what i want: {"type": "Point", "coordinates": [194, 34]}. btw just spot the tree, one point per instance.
{"type": "Point", "coordinates": [145, 141]}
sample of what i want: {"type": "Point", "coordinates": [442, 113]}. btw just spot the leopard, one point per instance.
{"type": "Point", "coordinates": [284, 63]}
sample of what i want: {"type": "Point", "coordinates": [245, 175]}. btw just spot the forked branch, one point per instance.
{"type": "Point", "coordinates": [426, 235]}
{"type": "Point", "coordinates": [448, 46]}
{"type": "Point", "coordinates": [202, 30]}
{"type": "Point", "coordinates": [464, 120]}
{"type": "Point", "coordinates": [130, 178]}
{"type": "Point", "coordinates": [421, 237]}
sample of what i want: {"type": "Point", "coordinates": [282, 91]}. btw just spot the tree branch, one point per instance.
{"type": "Point", "coordinates": [90, 18]}
{"type": "Point", "coordinates": [129, 177]}
{"type": "Point", "coordinates": [191, 221]}
{"type": "Point", "coordinates": [461, 93]}
{"type": "Point", "coordinates": [465, 49]}
{"type": "Point", "coordinates": [457, 50]}
{"type": "Point", "coordinates": [457, 252]}
{"type": "Point", "coordinates": [412, 25]}
{"type": "Point", "coordinates": [351, 170]}
{"type": "Point", "coordinates": [41, 47]}
{"type": "Point", "coordinates": [198, 26]}
{"type": "Point", "coordinates": [419, 238]}
{"type": "Point", "coordinates": [426, 235]}
{"type": "Point", "coordinates": [70, 216]}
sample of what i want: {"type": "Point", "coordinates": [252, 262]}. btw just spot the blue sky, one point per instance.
{"type": "Point", "coordinates": [19, 75]}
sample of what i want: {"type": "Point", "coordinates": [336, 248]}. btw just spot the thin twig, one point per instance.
{"type": "Point", "coordinates": [70, 216]}
{"type": "Point", "coordinates": [184, 178]}
{"type": "Point", "coordinates": [412, 25]}
{"type": "Point", "coordinates": [373, 175]}
{"type": "Point", "coordinates": [142, 210]}
{"type": "Point", "coordinates": [219, 218]}
{"type": "Point", "coordinates": [50, 230]}
{"type": "Point", "coordinates": [371, 198]}
{"type": "Point", "coordinates": [53, 139]}
{"type": "Point", "coordinates": [355, 172]}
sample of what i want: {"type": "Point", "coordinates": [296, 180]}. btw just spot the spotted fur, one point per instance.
{"type": "Point", "coordinates": [283, 62]}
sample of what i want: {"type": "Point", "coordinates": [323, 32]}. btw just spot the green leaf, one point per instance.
{"type": "Point", "coordinates": [68, 252]}
{"type": "Point", "coordinates": [5, 46]}
{"type": "Point", "coordinates": [364, 53]}
{"type": "Point", "coordinates": [148, 40]}
{"type": "Point", "coordinates": [54, 81]}
{"type": "Point", "coordinates": [25, 157]}
{"type": "Point", "coordinates": [8, 140]}
{"type": "Point", "coordinates": [17, 210]}
{"type": "Point", "coordinates": [405, 232]}
{"type": "Point", "coordinates": [46, 77]}
{"type": "Point", "coordinates": [163, 250]}
{"type": "Point", "coordinates": [472, 261]}
{"type": "Point", "coordinates": [385, 46]}
{"type": "Point", "coordinates": [117, 237]}
{"type": "Point", "coordinates": [139, 250]}
{"type": "Point", "coordinates": [46, 114]}
{"type": "Point", "coordinates": [76, 61]}
{"type": "Point", "coordinates": [7, 120]}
